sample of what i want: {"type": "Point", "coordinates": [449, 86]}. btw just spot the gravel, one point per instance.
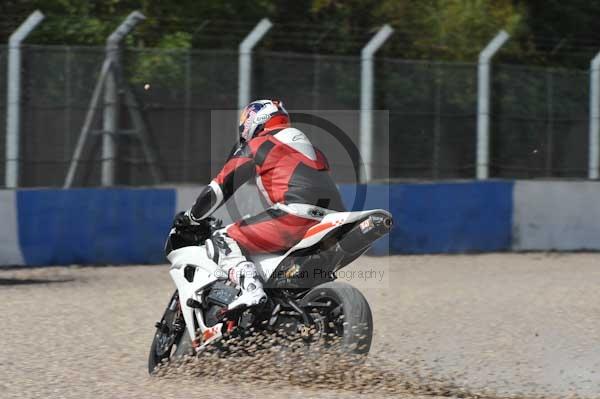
{"type": "Point", "coordinates": [488, 326]}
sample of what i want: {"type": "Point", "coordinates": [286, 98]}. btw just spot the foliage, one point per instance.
{"type": "Point", "coordinates": [164, 68]}
{"type": "Point", "coordinates": [549, 32]}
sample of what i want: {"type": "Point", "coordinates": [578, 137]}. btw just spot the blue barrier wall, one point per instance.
{"type": "Point", "coordinates": [442, 218]}
{"type": "Point", "coordinates": [86, 226]}
{"type": "Point", "coordinates": [124, 226]}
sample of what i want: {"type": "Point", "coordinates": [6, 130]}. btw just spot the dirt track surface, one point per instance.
{"type": "Point", "coordinates": [500, 325]}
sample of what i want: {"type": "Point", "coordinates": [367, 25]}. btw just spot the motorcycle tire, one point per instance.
{"type": "Point", "coordinates": [161, 349]}
{"type": "Point", "coordinates": [355, 329]}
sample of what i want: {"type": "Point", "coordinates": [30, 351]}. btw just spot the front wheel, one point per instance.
{"type": "Point", "coordinates": [170, 339]}
{"type": "Point", "coordinates": [341, 311]}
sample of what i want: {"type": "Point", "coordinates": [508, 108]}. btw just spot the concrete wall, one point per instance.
{"type": "Point", "coordinates": [563, 216]}
{"type": "Point", "coordinates": [10, 250]}
{"type": "Point", "coordinates": [124, 226]}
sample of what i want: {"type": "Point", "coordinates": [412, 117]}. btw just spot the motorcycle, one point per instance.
{"type": "Point", "coordinates": [301, 287]}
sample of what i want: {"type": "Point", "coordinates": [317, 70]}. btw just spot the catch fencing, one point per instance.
{"type": "Point", "coordinates": [539, 116]}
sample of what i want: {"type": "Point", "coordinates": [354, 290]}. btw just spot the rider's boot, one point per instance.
{"type": "Point", "coordinates": [244, 274]}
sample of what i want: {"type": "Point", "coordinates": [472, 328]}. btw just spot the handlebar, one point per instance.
{"type": "Point", "coordinates": [197, 232]}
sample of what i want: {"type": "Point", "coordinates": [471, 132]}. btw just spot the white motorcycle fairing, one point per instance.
{"type": "Point", "coordinates": [206, 273]}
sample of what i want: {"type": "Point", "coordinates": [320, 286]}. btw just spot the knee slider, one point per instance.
{"type": "Point", "coordinates": [243, 271]}
{"type": "Point", "coordinates": [211, 251]}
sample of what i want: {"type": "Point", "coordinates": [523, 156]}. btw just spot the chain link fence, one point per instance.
{"type": "Point", "coordinates": [57, 84]}
{"type": "Point", "coordinates": [432, 118]}
{"type": "Point", "coordinates": [178, 91]}
{"type": "Point", "coordinates": [539, 121]}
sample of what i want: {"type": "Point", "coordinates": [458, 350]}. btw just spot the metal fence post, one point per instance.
{"type": "Point", "coordinates": [366, 97]}
{"type": "Point", "coordinates": [483, 103]}
{"type": "Point", "coordinates": [245, 60]}
{"type": "Point", "coordinates": [111, 97]}
{"type": "Point", "coordinates": [13, 98]}
{"type": "Point", "coordinates": [594, 161]}
{"type": "Point", "coordinates": [187, 115]}
{"type": "Point", "coordinates": [68, 101]}
{"type": "Point", "coordinates": [437, 121]}
{"type": "Point", "coordinates": [550, 124]}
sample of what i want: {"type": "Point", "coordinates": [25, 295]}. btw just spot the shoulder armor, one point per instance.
{"type": "Point", "coordinates": [298, 141]}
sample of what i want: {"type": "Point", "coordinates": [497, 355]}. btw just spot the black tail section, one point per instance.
{"type": "Point", "coordinates": [317, 264]}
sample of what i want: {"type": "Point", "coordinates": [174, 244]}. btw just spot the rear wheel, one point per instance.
{"type": "Point", "coordinates": [170, 339]}
{"type": "Point", "coordinates": [342, 315]}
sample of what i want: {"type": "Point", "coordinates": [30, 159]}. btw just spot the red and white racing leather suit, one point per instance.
{"type": "Point", "coordinates": [288, 171]}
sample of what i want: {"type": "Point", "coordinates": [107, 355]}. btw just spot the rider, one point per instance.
{"type": "Point", "coordinates": [292, 175]}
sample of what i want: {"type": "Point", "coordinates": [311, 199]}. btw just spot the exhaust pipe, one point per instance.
{"type": "Point", "coordinates": [388, 222]}
{"type": "Point", "coordinates": [361, 236]}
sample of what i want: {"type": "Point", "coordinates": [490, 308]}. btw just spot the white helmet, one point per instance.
{"type": "Point", "coordinates": [260, 115]}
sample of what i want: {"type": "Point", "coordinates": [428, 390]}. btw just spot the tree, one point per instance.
{"type": "Point", "coordinates": [550, 31]}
